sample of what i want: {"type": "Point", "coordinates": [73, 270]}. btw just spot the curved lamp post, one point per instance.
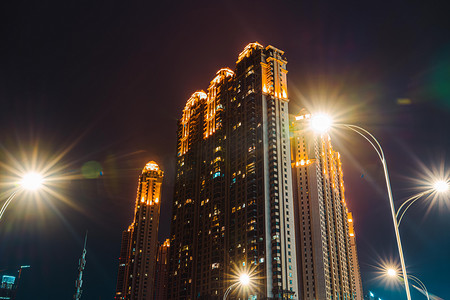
{"type": "Point", "coordinates": [321, 123]}
{"type": "Point", "coordinates": [423, 288]}
{"type": "Point", "coordinates": [244, 280]}
{"type": "Point", "coordinates": [30, 181]}
{"type": "Point", "coordinates": [439, 187]}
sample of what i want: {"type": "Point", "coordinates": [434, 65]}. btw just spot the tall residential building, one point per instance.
{"type": "Point", "coordinates": [233, 209]}
{"type": "Point", "coordinates": [326, 267]}
{"type": "Point", "coordinates": [162, 271]}
{"type": "Point", "coordinates": [137, 260]}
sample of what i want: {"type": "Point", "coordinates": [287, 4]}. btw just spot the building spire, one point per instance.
{"type": "Point", "coordinates": [82, 263]}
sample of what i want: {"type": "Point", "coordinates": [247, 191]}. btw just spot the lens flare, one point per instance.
{"type": "Point", "coordinates": [387, 271]}
{"type": "Point", "coordinates": [391, 272]}
{"type": "Point", "coordinates": [320, 123]}
{"type": "Point", "coordinates": [244, 279]}
{"type": "Point", "coordinates": [32, 181]}
{"type": "Point", "coordinates": [431, 178]}
{"type": "Point", "coordinates": [440, 186]}
{"type": "Point", "coordinates": [38, 175]}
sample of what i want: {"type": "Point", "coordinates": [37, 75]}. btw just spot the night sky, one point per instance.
{"type": "Point", "coordinates": [100, 85]}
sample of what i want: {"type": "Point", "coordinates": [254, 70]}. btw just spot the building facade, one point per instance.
{"type": "Point", "coordinates": [326, 262]}
{"type": "Point", "coordinates": [137, 262]}
{"type": "Point", "coordinates": [162, 271]}
{"type": "Point", "coordinates": [233, 209]}
{"type": "Point", "coordinates": [357, 281]}
{"type": "Point", "coordinates": [8, 287]}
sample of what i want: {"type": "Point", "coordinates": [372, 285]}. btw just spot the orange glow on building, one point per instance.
{"type": "Point", "coordinates": [274, 74]}
{"type": "Point", "coordinates": [248, 49]}
{"type": "Point", "coordinates": [220, 152]}
{"type": "Point", "coordinates": [137, 260]}
{"type": "Point", "coordinates": [150, 166]}
{"type": "Point", "coordinates": [211, 103]}
{"type": "Point", "coordinates": [197, 96]}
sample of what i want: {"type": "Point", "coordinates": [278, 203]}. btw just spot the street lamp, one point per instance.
{"type": "Point", "coordinates": [393, 274]}
{"type": "Point", "coordinates": [320, 123]}
{"type": "Point", "coordinates": [30, 181]}
{"type": "Point", "coordinates": [244, 280]}
{"type": "Point", "coordinates": [439, 187]}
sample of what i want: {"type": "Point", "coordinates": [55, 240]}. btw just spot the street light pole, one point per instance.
{"type": "Point", "coordinates": [229, 290]}
{"type": "Point", "coordinates": [439, 187]}
{"type": "Point", "coordinates": [410, 201]}
{"type": "Point", "coordinates": [393, 273]}
{"type": "Point", "coordinates": [30, 181]}
{"type": "Point", "coordinates": [5, 205]}
{"type": "Point", "coordinates": [422, 285]}
{"type": "Point", "coordinates": [376, 145]}
{"type": "Point", "coordinates": [321, 123]}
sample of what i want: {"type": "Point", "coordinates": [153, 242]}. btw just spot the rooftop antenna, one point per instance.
{"type": "Point", "coordinates": [79, 281]}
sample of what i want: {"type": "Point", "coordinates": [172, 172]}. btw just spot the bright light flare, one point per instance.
{"type": "Point", "coordinates": [391, 273]}
{"type": "Point", "coordinates": [441, 186]}
{"type": "Point", "coordinates": [39, 176]}
{"type": "Point", "coordinates": [320, 123]}
{"type": "Point", "coordinates": [244, 279]}
{"type": "Point", "coordinates": [432, 179]}
{"type": "Point", "coordinates": [387, 271]}
{"type": "Point", "coordinates": [32, 181]}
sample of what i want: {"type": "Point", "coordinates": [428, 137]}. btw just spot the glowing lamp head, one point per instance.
{"type": "Point", "coordinates": [32, 181]}
{"type": "Point", "coordinates": [441, 186]}
{"type": "Point", "coordinates": [320, 123]}
{"type": "Point", "coordinates": [244, 279]}
{"type": "Point", "coordinates": [391, 272]}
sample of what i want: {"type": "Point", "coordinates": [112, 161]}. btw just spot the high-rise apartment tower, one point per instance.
{"type": "Point", "coordinates": [326, 268]}
{"type": "Point", "coordinates": [233, 209]}
{"type": "Point", "coordinates": [162, 271]}
{"type": "Point", "coordinates": [137, 260]}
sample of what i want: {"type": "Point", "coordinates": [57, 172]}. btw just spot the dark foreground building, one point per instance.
{"type": "Point", "coordinates": [8, 287]}
{"type": "Point", "coordinates": [137, 262]}
{"type": "Point", "coordinates": [233, 208]}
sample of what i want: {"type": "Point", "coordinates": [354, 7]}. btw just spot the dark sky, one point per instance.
{"type": "Point", "coordinates": [107, 80]}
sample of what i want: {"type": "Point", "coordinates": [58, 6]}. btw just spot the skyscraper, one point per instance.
{"type": "Point", "coordinates": [137, 262]}
{"type": "Point", "coordinates": [326, 267]}
{"type": "Point", "coordinates": [233, 207]}
{"type": "Point", "coordinates": [162, 271]}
